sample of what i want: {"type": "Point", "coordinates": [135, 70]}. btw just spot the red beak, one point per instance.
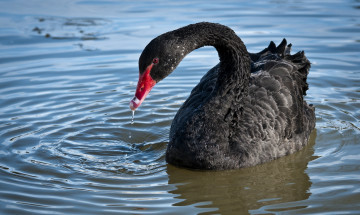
{"type": "Point", "coordinates": [145, 84]}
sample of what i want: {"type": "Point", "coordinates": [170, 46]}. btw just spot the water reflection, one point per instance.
{"type": "Point", "coordinates": [238, 191]}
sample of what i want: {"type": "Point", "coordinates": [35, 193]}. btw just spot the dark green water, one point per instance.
{"type": "Point", "coordinates": [68, 70]}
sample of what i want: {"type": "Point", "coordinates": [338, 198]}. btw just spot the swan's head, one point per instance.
{"type": "Point", "coordinates": [159, 58]}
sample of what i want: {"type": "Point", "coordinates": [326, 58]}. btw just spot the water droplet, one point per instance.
{"type": "Point", "coordinates": [132, 116]}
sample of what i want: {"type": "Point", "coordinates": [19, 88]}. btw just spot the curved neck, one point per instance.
{"type": "Point", "coordinates": [234, 59]}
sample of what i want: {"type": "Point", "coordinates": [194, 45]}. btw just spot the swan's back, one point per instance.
{"type": "Point", "coordinates": [276, 120]}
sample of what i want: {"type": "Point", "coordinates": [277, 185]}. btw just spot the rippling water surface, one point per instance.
{"type": "Point", "coordinates": [67, 146]}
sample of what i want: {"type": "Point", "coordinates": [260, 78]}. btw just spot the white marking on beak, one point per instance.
{"type": "Point", "coordinates": [136, 100]}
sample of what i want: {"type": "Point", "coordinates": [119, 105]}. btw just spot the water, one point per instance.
{"type": "Point", "coordinates": [132, 116]}
{"type": "Point", "coordinates": [68, 70]}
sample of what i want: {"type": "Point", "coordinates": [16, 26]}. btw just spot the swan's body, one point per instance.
{"type": "Point", "coordinates": [247, 110]}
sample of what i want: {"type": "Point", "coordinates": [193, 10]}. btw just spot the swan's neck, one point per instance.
{"type": "Point", "coordinates": [234, 71]}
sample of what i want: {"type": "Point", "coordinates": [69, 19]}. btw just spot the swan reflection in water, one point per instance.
{"type": "Point", "coordinates": [240, 191]}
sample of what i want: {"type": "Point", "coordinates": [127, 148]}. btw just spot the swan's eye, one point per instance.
{"type": "Point", "coordinates": [156, 60]}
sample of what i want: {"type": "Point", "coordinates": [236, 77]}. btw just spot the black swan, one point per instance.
{"type": "Point", "coordinates": [247, 110]}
